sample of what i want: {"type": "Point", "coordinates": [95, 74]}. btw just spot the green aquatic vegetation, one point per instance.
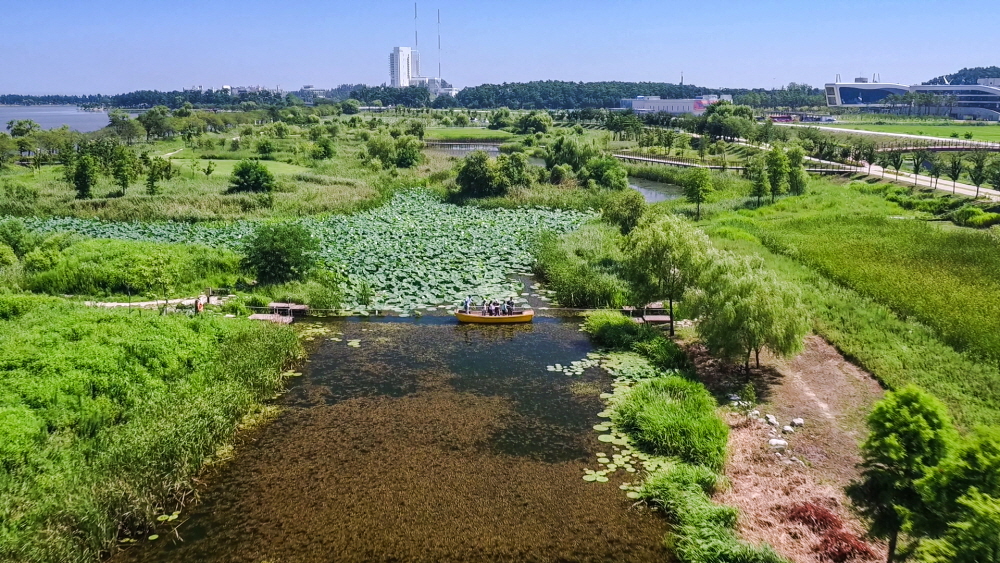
{"type": "Point", "coordinates": [414, 252]}
{"type": "Point", "coordinates": [105, 416]}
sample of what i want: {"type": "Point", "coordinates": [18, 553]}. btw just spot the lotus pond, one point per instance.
{"type": "Point", "coordinates": [415, 252]}
{"type": "Point", "coordinates": [423, 440]}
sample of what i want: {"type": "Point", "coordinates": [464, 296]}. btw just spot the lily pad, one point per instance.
{"type": "Point", "coordinates": [632, 495]}
{"type": "Point", "coordinates": [590, 477]}
{"type": "Point", "coordinates": [601, 427]}
{"type": "Point", "coordinates": [153, 537]}
{"type": "Point", "coordinates": [606, 438]}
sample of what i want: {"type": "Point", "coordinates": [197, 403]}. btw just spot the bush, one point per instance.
{"type": "Point", "coordinates": [251, 176]}
{"type": "Point", "coordinates": [614, 330]}
{"type": "Point", "coordinates": [280, 253]}
{"type": "Point", "coordinates": [675, 417]}
{"type": "Point", "coordinates": [606, 172]}
{"type": "Point", "coordinates": [7, 256]}
{"type": "Point", "coordinates": [624, 209]}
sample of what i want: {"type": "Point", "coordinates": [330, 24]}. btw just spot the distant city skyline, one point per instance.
{"type": "Point", "coordinates": [112, 46]}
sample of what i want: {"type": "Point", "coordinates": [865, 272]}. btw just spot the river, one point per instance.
{"type": "Point", "coordinates": [52, 117]}
{"type": "Point", "coordinates": [428, 442]}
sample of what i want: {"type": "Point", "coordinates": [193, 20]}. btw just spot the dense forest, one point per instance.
{"type": "Point", "coordinates": [967, 75]}
{"type": "Point", "coordinates": [548, 94]}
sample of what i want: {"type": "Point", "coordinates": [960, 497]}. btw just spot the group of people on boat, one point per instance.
{"type": "Point", "coordinates": [492, 307]}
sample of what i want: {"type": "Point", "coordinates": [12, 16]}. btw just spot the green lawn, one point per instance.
{"type": "Point", "coordinates": [466, 133]}
{"type": "Point", "coordinates": [979, 132]}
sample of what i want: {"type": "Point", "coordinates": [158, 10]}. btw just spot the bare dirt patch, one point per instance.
{"type": "Point", "coordinates": [832, 396]}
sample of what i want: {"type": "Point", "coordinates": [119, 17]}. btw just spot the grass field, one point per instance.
{"type": "Point", "coordinates": [989, 132]}
{"type": "Point", "coordinates": [907, 300]}
{"type": "Point", "coordinates": [466, 134]}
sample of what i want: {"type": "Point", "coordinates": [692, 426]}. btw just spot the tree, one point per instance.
{"type": "Point", "coordinates": [157, 169]}
{"type": "Point", "coordinates": [917, 160]}
{"type": "Point", "coordinates": [7, 148]}
{"type": "Point", "coordinates": [323, 149]}
{"type": "Point", "coordinates": [663, 259]}
{"type": "Point", "coordinates": [280, 252]}
{"type": "Point", "coordinates": [350, 106]}
{"type": "Point", "coordinates": [513, 169]}
{"type": "Point", "coordinates": [209, 168]}
{"type": "Point", "coordinates": [265, 148]}
{"type": "Point", "coordinates": [624, 209]}
{"type": "Point", "coordinates": [777, 171]}
{"type": "Point", "coordinates": [697, 187]}
{"type": "Point", "coordinates": [22, 127]}
{"type": "Point", "coordinates": [910, 431]}
{"type": "Point", "coordinates": [974, 465]}
{"type": "Point", "coordinates": [972, 538]}
{"type": "Point", "coordinates": [954, 169]}
{"type": "Point", "coordinates": [534, 122]}
{"type": "Point", "coordinates": [756, 170]}
{"type": "Point", "coordinates": [251, 176]}
{"type": "Point", "coordinates": [935, 167]}
{"type": "Point", "coordinates": [992, 173]}
{"type": "Point", "coordinates": [977, 172]}
{"type": "Point", "coordinates": [125, 167]}
{"type": "Point", "coordinates": [798, 180]}
{"type": "Point", "coordinates": [84, 176]}
{"type": "Point", "coordinates": [606, 172]}
{"type": "Point", "coordinates": [743, 308]}
{"type": "Point", "coordinates": [895, 159]}
{"type": "Point", "coordinates": [501, 119]}
{"type": "Point", "coordinates": [478, 177]}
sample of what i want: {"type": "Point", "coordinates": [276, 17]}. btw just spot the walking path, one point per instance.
{"type": "Point", "coordinates": [187, 301]}
{"type": "Point", "coordinates": [950, 141]}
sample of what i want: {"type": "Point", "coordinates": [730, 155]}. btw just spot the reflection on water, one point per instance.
{"type": "Point", "coordinates": [432, 441]}
{"type": "Point", "coordinates": [655, 191]}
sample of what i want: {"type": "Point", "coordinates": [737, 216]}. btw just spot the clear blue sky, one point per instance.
{"type": "Point", "coordinates": [112, 46]}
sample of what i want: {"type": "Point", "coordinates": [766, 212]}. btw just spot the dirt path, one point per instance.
{"type": "Point", "coordinates": [833, 397]}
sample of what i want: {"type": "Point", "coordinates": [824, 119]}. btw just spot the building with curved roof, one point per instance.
{"type": "Point", "coordinates": [961, 101]}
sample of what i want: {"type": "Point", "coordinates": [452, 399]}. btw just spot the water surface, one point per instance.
{"type": "Point", "coordinates": [53, 117]}
{"type": "Point", "coordinates": [432, 441]}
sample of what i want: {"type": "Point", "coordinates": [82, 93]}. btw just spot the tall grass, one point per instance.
{"type": "Point", "coordinates": [582, 266]}
{"type": "Point", "coordinates": [674, 417]}
{"type": "Point", "coordinates": [106, 416]}
{"type": "Point", "coordinates": [100, 267]}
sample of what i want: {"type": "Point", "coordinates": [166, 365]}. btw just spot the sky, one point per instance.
{"type": "Point", "coordinates": [114, 46]}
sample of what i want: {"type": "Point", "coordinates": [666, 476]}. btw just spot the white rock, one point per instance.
{"type": "Point", "coordinates": [787, 429]}
{"type": "Point", "coordinates": [798, 422]}
{"type": "Point", "coordinates": [734, 397]}
{"type": "Point", "coordinates": [777, 444]}
{"type": "Point", "coordinates": [755, 414]}
{"type": "Point", "coordinates": [771, 419]}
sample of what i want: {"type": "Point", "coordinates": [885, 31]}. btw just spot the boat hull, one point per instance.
{"type": "Point", "coordinates": [522, 317]}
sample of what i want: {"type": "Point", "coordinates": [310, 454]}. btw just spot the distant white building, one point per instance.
{"type": "Point", "coordinates": [404, 64]}
{"type": "Point", "coordinates": [655, 104]}
{"type": "Point", "coordinates": [404, 71]}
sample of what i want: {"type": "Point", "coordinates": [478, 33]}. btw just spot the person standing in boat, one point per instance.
{"type": "Point", "coordinates": [510, 305]}
{"type": "Point", "coordinates": [467, 304]}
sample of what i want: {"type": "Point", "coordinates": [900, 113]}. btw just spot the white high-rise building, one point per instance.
{"type": "Point", "coordinates": [404, 66]}
{"type": "Point", "coordinates": [400, 69]}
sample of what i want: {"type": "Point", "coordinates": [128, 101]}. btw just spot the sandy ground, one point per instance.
{"type": "Point", "coordinates": [833, 397]}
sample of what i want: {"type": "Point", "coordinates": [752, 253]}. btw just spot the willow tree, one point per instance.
{"type": "Point", "coordinates": [697, 187]}
{"type": "Point", "coordinates": [744, 309]}
{"type": "Point", "coordinates": [663, 258]}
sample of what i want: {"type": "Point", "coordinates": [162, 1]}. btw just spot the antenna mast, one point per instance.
{"type": "Point", "coordinates": [416, 42]}
{"type": "Point", "coordinates": [439, 43]}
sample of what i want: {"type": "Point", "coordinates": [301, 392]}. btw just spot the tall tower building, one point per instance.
{"type": "Point", "coordinates": [401, 67]}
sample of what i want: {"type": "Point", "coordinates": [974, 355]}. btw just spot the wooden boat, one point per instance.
{"type": "Point", "coordinates": [524, 316]}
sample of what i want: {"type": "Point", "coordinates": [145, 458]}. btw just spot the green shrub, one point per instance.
{"type": "Point", "coordinates": [672, 416]}
{"type": "Point", "coordinates": [280, 252]}
{"type": "Point", "coordinates": [7, 256]}
{"type": "Point", "coordinates": [251, 176]}
{"type": "Point", "coordinates": [624, 209]}
{"type": "Point", "coordinates": [614, 330]}
{"type": "Point", "coordinates": [101, 267]}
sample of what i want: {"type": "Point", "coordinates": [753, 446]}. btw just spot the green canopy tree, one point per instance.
{"type": "Point", "coordinates": [251, 176]}
{"type": "Point", "coordinates": [910, 431]}
{"type": "Point", "coordinates": [917, 160]}
{"type": "Point", "coordinates": [743, 308]}
{"type": "Point", "coordinates": [280, 252]}
{"type": "Point", "coordinates": [84, 175]}
{"type": "Point", "coordinates": [977, 172]}
{"type": "Point", "coordinates": [777, 171]}
{"type": "Point", "coordinates": [663, 259]}
{"type": "Point", "coordinates": [624, 209]}
{"type": "Point", "coordinates": [954, 169]}
{"type": "Point", "coordinates": [756, 171]}
{"type": "Point", "coordinates": [895, 160]}
{"type": "Point", "coordinates": [125, 167]}
{"type": "Point", "coordinates": [992, 173]}
{"type": "Point", "coordinates": [697, 188]}
{"type": "Point", "coordinates": [973, 538]}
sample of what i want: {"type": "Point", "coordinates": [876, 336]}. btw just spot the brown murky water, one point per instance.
{"type": "Point", "coordinates": [431, 442]}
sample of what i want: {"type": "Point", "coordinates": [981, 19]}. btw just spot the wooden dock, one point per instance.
{"type": "Point", "coordinates": [271, 317]}
{"type": "Point", "coordinates": [653, 313]}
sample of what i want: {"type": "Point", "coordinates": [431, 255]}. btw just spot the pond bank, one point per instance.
{"type": "Point", "coordinates": [428, 441]}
